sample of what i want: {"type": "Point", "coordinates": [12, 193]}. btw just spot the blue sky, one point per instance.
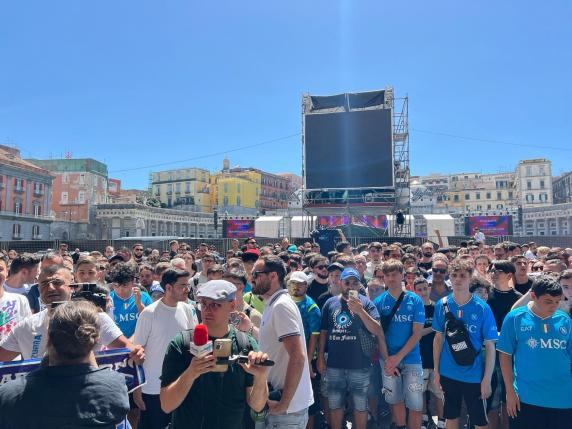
{"type": "Point", "coordinates": [137, 83]}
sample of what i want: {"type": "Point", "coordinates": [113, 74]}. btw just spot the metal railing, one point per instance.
{"type": "Point", "coordinates": [223, 244]}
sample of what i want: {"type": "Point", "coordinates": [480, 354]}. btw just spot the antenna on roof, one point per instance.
{"type": "Point", "coordinates": [68, 155]}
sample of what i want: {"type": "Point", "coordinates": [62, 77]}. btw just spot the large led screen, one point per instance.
{"type": "Point", "coordinates": [491, 226]}
{"type": "Point", "coordinates": [348, 150]}
{"type": "Point", "coordinates": [237, 228]}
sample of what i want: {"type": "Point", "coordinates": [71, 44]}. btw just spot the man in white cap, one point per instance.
{"type": "Point", "coordinates": [199, 397]}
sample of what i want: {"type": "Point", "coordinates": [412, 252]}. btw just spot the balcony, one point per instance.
{"type": "Point", "coordinates": [19, 189]}
{"type": "Point", "coordinates": [38, 192]}
{"type": "Point", "coordinates": [12, 215]}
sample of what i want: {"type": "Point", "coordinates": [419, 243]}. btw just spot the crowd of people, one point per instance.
{"type": "Point", "coordinates": [379, 335]}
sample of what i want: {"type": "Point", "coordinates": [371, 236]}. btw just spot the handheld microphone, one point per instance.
{"type": "Point", "coordinates": [201, 346]}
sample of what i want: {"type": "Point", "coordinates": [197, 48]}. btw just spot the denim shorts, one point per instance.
{"type": "Point", "coordinates": [407, 387]}
{"type": "Point", "coordinates": [354, 381]}
{"type": "Point", "coordinates": [297, 420]}
{"type": "Point", "coordinates": [374, 381]}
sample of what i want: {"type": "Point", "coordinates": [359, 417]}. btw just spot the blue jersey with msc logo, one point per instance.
{"type": "Point", "coordinates": [542, 355]}
{"type": "Point", "coordinates": [480, 322]}
{"type": "Point", "coordinates": [125, 312]}
{"type": "Point", "coordinates": [410, 311]}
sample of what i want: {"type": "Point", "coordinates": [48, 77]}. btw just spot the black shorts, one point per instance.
{"type": "Point", "coordinates": [533, 417]}
{"type": "Point", "coordinates": [455, 391]}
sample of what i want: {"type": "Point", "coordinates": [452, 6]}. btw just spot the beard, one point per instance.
{"type": "Point", "coordinates": [322, 276]}
{"type": "Point", "coordinates": [427, 255]}
{"type": "Point", "coordinates": [259, 288]}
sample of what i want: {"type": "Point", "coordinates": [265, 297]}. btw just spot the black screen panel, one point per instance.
{"type": "Point", "coordinates": [348, 150]}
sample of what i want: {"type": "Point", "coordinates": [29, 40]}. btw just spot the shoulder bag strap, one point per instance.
{"type": "Point", "coordinates": [396, 306]}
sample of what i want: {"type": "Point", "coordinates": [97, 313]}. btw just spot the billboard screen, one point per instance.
{"type": "Point", "coordinates": [348, 150]}
{"type": "Point", "coordinates": [491, 226]}
{"type": "Point", "coordinates": [379, 221]}
{"type": "Point", "coordinates": [237, 228]}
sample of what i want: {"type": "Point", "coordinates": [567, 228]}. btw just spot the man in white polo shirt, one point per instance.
{"type": "Point", "coordinates": [282, 338]}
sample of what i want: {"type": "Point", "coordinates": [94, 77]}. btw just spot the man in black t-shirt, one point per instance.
{"type": "Point", "coordinates": [501, 299]}
{"type": "Point", "coordinates": [426, 260]}
{"type": "Point", "coordinates": [522, 283]}
{"type": "Point", "coordinates": [433, 393]}
{"type": "Point", "coordinates": [319, 285]}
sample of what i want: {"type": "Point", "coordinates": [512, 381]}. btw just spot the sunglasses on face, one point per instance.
{"type": "Point", "coordinates": [255, 274]}
{"type": "Point", "coordinates": [537, 268]}
{"type": "Point", "coordinates": [321, 267]}
{"type": "Point", "coordinates": [212, 306]}
{"type": "Point", "coordinates": [440, 270]}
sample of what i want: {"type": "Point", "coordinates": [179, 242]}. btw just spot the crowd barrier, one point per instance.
{"type": "Point", "coordinates": [223, 244]}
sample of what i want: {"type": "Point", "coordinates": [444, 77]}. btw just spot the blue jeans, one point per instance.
{"type": "Point", "coordinates": [297, 420]}
{"type": "Point", "coordinates": [354, 381]}
{"type": "Point", "coordinates": [407, 387]}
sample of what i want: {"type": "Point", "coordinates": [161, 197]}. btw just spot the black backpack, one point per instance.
{"type": "Point", "coordinates": [458, 338]}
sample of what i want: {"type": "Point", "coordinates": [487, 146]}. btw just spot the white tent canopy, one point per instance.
{"type": "Point", "coordinates": [267, 226]}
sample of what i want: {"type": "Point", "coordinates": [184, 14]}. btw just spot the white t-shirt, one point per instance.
{"type": "Point", "coordinates": [18, 290]}
{"type": "Point", "coordinates": [156, 327]}
{"type": "Point", "coordinates": [29, 336]}
{"type": "Point", "coordinates": [281, 319]}
{"type": "Point", "coordinates": [13, 308]}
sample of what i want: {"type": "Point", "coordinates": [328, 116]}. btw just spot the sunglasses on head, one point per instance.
{"type": "Point", "coordinates": [496, 270]}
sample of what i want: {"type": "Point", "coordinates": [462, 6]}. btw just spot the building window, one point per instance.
{"type": "Point", "coordinates": [225, 201]}
{"type": "Point", "coordinates": [488, 206]}
{"type": "Point", "coordinates": [529, 198]}
{"type": "Point", "coordinates": [18, 184]}
{"type": "Point", "coordinates": [157, 191]}
{"type": "Point", "coordinates": [541, 171]}
{"type": "Point", "coordinates": [36, 231]}
{"type": "Point", "coordinates": [64, 198]}
{"type": "Point", "coordinates": [499, 207]}
{"type": "Point", "coordinates": [542, 184]}
{"type": "Point", "coordinates": [18, 206]}
{"type": "Point", "coordinates": [467, 196]}
{"type": "Point", "coordinates": [226, 188]}
{"type": "Point", "coordinates": [456, 198]}
{"type": "Point", "coordinates": [529, 184]}
{"type": "Point", "coordinates": [82, 179]}
{"type": "Point", "coordinates": [81, 197]}
{"type": "Point", "coordinates": [188, 187]}
{"type": "Point", "coordinates": [16, 230]}
{"type": "Point", "coordinates": [178, 187]}
{"type": "Point", "coordinates": [478, 195]}
{"type": "Point", "coordinates": [65, 178]}
{"type": "Point", "coordinates": [528, 170]}
{"type": "Point", "coordinates": [238, 188]}
{"type": "Point", "coordinates": [238, 200]}
{"type": "Point", "coordinates": [37, 209]}
{"type": "Point", "coordinates": [510, 195]}
{"type": "Point", "coordinates": [499, 195]}
{"type": "Point", "coordinates": [488, 195]}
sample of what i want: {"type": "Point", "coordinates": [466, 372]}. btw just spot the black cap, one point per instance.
{"type": "Point", "coordinates": [335, 266]}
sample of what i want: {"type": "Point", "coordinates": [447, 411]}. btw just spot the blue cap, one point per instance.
{"type": "Point", "coordinates": [350, 272]}
{"type": "Point", "coordinates": [217, 290]}
{"type": "Point", "coordinates": [292, 248]}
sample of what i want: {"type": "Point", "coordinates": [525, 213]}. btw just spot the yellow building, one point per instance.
{"type": "Point", "coordinates": [236, 192]}
{"type": "Point", "coordinates": [183, 187]}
